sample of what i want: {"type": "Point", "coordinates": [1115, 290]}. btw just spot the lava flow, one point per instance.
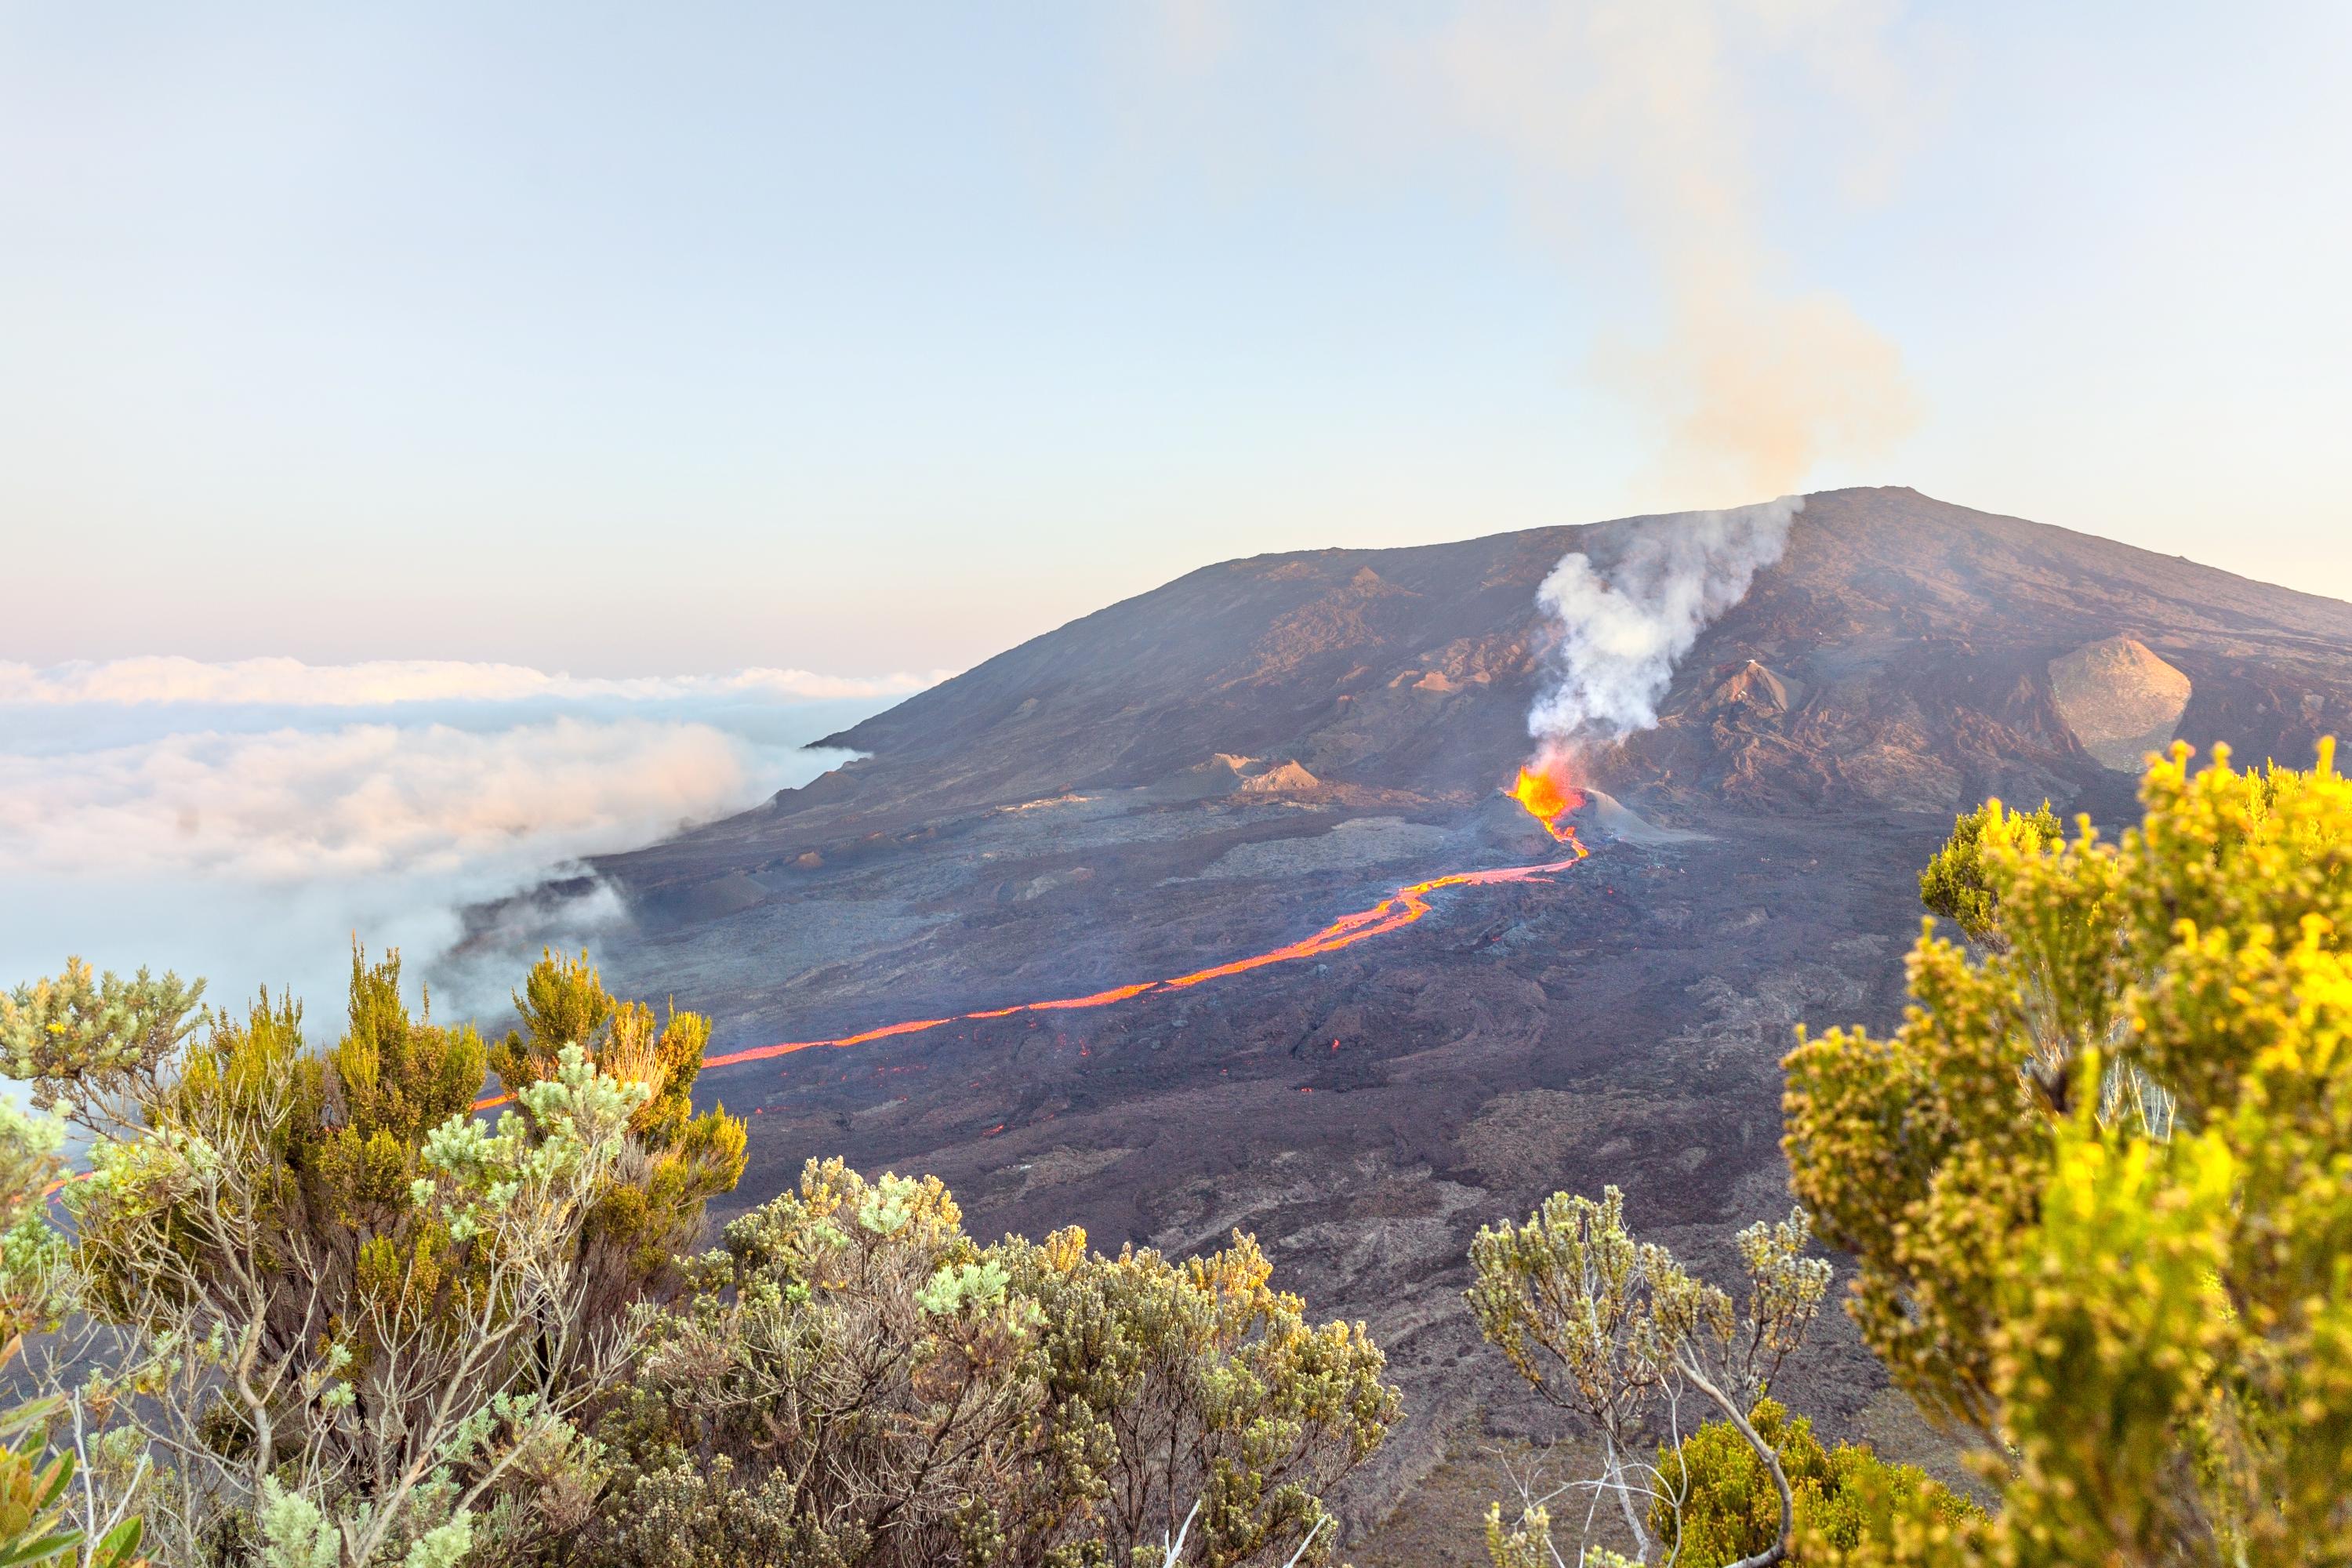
{"type": "Point", "coordinates": [1399, 909]}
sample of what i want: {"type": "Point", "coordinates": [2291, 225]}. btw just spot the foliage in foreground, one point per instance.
{"type": "Point", "coordinates": [855, 1381]}
{"type": "Point", "coordinates": [35, 1480]}
{"type": "Point", "coordinates": [1721, 1504]}
{"type": "Point", "coordinates": [1616, 1331]}
{"type": "Point", "coordinates": [314, 1314]}
{"type": "Point", "coordinates": [1847, 1498]}
{"type": "Point", "coordinates": [324, 1315]}
{"type": "Point", "coordinates": [2099, 1184]}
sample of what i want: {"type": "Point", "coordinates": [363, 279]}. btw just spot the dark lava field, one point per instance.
{"type": "Point", "coordinates": [1233, 761]}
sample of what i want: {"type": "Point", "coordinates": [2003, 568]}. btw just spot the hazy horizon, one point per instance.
{"type": "Point", "coordinates": [246, 819]}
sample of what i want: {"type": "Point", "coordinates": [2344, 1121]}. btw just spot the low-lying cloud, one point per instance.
{"type": "Point", "coordinates": [289, 683]}
{"type": "Point", "coordinates": [366, 800]}
{"type": "Point", "coordinates": [246, 820]}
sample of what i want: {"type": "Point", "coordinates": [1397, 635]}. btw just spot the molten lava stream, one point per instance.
{"type": "Point", "coordinates": [1396, 911]}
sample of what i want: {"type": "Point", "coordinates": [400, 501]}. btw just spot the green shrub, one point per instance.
{"type": "Point", "coordinates": [1955, 883]}
{"type": "Point", "coordinates": [1608, 1328]}
{"type": "Point", "coordinates": [855, 1381]}
{"type": "Point", "coordinates": [339, 1318]}
{"type": "Point", "coordinates": [1847, 1498]}
{"type": "Point", "coordinates": [2099, 1182]}
{"type": "Point", "coordinates": [340, 1321]}
{"type": "Point", "coordinates": [38, 1520]}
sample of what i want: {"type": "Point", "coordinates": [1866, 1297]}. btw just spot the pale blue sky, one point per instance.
{"type": "Point", "coordinates": [863, 338]}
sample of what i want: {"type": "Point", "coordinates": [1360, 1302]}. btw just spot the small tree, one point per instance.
{"type": "Point", "coordinates": [342, 1321]}
{"type": "Point", "coordinates": [1614, 1330]}
{"type": "Point", "coordinates": [37, 1516]}
{"type": "Point", "coordinates": [850, 1384]}
{"type": "Point", "coordinates": [1168, 1381]}
{"type": "Point", "coordinates": [651, 1212]}
{"type": "Point", "coordinates": [2141, 1303]}
{"type": "Point", "coordinates": [1955, 884]}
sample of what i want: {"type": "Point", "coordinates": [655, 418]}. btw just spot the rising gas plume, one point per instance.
{"type": "Point", "coordinates": [1754, 375]}
{"type": "Point", "coordinates": [1626, 135]}
{"type": "Point", "coordinates": [1621, 627]}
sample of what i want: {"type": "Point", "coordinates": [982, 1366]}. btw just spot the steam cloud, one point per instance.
{"type": "Point", "coordinates": [1623, 628]}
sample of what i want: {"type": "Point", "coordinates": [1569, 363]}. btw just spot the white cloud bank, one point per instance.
{"type": "Point", "coordinates": [366, 800]}
{"type": "Point", "coordinates": [244, 821]}
{"type": "Point", "coordinates": [289, 683]}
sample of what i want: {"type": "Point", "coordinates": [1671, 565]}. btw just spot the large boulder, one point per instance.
{"type": "Point", "coordinates": [2121, 700]}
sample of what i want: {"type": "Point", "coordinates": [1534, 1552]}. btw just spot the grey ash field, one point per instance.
{"type": "Point", "coordinates": [1225, 765]}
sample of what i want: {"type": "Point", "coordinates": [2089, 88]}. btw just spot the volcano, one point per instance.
{"type": "Point", "coordinates": [1267, 749]}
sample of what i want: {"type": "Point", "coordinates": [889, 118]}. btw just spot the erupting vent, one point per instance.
{"type": "Point", "coordinates": [1548, 800]}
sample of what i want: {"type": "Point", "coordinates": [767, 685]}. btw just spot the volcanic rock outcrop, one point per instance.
{"type": "Point", "coordinates": [2120, 700]}
{"type": "Point", "coordinates": [1095, 809]}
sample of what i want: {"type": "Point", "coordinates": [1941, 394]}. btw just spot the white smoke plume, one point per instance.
{"type": "Point", "coordinates": [1683, 126]}
{"type": "Point", "coordinates": [1755, 378]}
{"type": "Point", "coordinates": [1623, 627]}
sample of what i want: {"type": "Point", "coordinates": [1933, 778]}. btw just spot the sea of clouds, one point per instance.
{"type": "Point", "coordinates": [244, 821]}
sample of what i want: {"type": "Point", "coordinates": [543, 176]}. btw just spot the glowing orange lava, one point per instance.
{"type": "Point", "coordinates": [1547, 799]}
{"type": "Point", "coordinates": [1399, 909]}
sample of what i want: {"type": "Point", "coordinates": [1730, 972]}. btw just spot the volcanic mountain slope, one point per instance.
{"type": "Point", "coordinates": [1233, 761]}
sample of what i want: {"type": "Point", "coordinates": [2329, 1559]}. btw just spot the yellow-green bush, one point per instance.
{"type": "Point", "coordinates": [857, 1381]}
{"type": "Point", "coordinates": [331, 1315]}
{"type": "Point", "coordinates": [2099, 1182]}
{"type": "Point", "coordinates": [1719, 1505]}
{"type": "Point", "coordinates": [1955, 884]}
{"type": "Point", "coordinates": [35, 1483]}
